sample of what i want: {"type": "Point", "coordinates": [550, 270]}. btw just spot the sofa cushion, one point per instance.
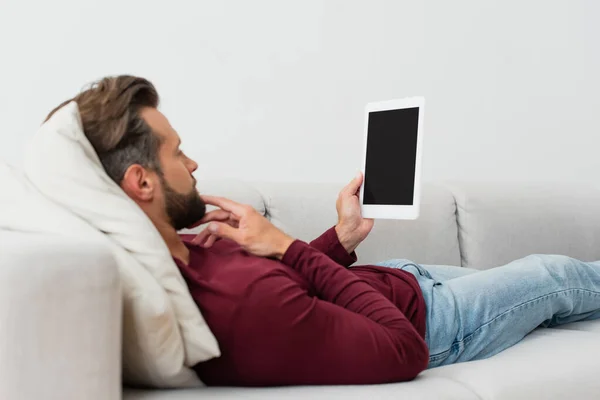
{"type": "Point", "coordinates": [549, 364]}
{"type": "Point", "coordinates": [419, 389]}
{"type": "Point", "coordinates": [164, 333]}
{"type": "Point", "coordinates": [583, 326]}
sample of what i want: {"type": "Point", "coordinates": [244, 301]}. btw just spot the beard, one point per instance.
{"type": "Point", "coordinates": [183, 210]}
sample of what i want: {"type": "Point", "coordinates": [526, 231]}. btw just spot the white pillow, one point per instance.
{"type": "Point", "coordinates": [164, 333]}
{"type": "Point", "coordinates": [24, 209]}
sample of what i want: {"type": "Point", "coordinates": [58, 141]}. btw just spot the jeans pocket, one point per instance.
{"type": "Point", "coordinates": [406, 265]}
{"type": "Point", "coordinates": [422, 271]}
{"type": "Point", "coordinates": [417, 269]}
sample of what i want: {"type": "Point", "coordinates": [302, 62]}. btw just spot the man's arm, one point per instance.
{"type": "Point", "coordinates": [349, 334]}
{"type": "Point", "coordinates": [329, 244]}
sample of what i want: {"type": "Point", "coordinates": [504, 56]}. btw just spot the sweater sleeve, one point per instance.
{"type": "Point", "coordinates": [329, 243]}
{"type": "Point", "coordinates": [349, 334]}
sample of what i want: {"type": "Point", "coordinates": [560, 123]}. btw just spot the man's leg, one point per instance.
{"type": "Point", "coordinates": [478, 315]}
{"type": "Point", "coordinates": [496, 308]}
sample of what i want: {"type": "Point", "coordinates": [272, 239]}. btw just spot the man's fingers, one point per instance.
{"type": "Point", "coordinates": [205, 239]}
{"type": "Point", "coordinates": [210, 241]}
{"type": "Point", "coordinates": [201, 237]}
{"type": "Point", "coordinates": [223, 230]}
{"type": "Point", "coordinates": [226, 204]}
{"type": "Point", "coordinates": [218, 215]}
{"type": "Point", "coordinates": [354, 186]}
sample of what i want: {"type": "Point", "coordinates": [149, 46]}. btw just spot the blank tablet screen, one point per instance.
{"type": "Point", "coordinates": [391, 155]}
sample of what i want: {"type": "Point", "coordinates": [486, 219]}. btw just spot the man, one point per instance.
{"type": "Point", "coordinates": [288, 312]}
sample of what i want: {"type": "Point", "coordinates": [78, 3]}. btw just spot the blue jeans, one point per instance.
{"type": "Point", "coordinates": [474, 314]}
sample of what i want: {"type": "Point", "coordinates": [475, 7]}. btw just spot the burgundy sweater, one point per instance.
{"type": "Point", "coordinates": [306, 320]}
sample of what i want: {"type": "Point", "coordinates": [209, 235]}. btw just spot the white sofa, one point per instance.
{"type": "Point", "coordinates": [60, 305]}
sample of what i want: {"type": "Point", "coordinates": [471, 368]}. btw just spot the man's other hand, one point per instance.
{"type": "Point", "coordinates": [245, 226]}
{"type": "Point", "coordinates": [351, 228]}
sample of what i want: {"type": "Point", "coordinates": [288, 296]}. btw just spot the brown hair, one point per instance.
{"type": "Point", "coordinates": [109, 110]}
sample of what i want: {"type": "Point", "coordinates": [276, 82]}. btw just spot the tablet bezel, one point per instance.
{"type": "Point", "coordinates": [379, 211]}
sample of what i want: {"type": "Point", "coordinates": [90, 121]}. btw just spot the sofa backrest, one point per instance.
{"type": "Point", "coordinates": [498, 223]}
{"type": "Point", "coordinates": [475, 225]}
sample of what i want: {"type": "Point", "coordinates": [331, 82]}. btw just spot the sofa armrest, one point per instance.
{"type": "Point", "coordinates": [60, 319]}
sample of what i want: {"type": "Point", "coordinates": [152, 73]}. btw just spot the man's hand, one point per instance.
{"type": "Point", "coordinates": [352, 228]}
{"type": "Point", "coordinates": [245, 226]}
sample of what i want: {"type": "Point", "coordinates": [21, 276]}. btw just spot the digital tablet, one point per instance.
{"type": "Point", "coordinates": [391, 165]}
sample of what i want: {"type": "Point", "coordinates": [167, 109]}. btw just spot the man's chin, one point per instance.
{"type": "Point", "coordinates": [185, 211]}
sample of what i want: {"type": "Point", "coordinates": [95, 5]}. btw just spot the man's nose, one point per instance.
{"type": "Point", "coordinates": [193, 166]}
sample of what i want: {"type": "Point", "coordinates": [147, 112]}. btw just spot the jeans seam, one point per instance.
{"type": "Point", "coordinates": [469, 337]}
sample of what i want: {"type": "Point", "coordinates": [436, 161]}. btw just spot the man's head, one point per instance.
{"type": "Point", "coordinates": [139, 149]}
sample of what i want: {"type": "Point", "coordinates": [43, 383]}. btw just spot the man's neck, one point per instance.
{"type": "Point", "coordinates": [174, 243]}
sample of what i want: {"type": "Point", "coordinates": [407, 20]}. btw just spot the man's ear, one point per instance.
{"type": "Point", "coordinates": [138, 183]}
